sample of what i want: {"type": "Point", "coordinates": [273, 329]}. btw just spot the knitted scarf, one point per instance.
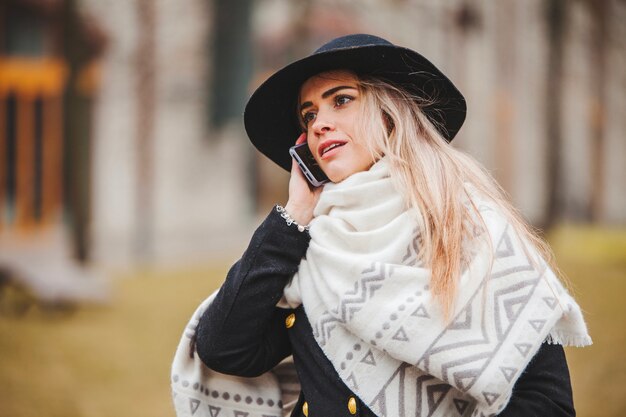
{"type": "Point", "coordinates": [366, 294]}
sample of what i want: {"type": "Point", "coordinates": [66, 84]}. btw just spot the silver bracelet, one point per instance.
{"type": "Point", "coordinates": [289, 219]}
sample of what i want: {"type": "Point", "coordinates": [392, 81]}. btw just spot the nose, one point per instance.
{"type": "Point", "coordinates": [322, 123]}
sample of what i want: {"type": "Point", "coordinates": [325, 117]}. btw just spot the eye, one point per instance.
{"type": "Point", "coordinates": [342, 99]}
{"type": "Point", "coordinates": [308, 117]}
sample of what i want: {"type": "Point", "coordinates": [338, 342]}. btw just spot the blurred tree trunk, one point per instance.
{"type": "Point", "coordinates": [300, 45]}
{"type": "Point", "coordinates": [145, 65]}
{"type": "Point", "coordinates": [232, 60]}
{"type": "Point", "coordinates": [77, 173]}
{"type": "Point", "coordinates": [507, 50]}
{"type": "Point", "coordinates": [231, 71]}
{"type": "Point", "coordinates": [556, 19]}
{"type": "Point", "coordinates": [599, 38]}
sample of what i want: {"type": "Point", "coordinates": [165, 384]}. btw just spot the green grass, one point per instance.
{"type": "Point", "coordinates": [594, 260]}
{"type": "Point", "coordinates": [114, 361]}
{"type": "Point", "coordinates": [101, 362]}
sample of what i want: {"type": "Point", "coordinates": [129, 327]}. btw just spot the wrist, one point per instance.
{"type": "Point", "coordinates": [291, 221]}
{"type": "Point", "coordinates": [302, 215]}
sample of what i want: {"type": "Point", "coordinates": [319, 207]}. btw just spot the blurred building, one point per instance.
{"type": "Point", "coordinates": [166, 175]}
{"type": "Point", "coordinates": [166, 186]}
{"type": "Point", "coordinates": [48, 77]}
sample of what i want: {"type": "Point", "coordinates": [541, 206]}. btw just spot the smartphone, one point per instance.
{"type": "Point", "coordinates": [308, 165]}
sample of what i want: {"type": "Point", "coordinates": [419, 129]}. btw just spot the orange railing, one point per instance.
{"type": "Point", "coordinates": [31, 142]}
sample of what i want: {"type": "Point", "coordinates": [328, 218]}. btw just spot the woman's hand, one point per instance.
{"type": "Point", "coordinates": [302, 195]}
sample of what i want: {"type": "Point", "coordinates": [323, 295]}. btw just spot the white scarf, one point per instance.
{"type": "Point", "coordinates": [367, 297]}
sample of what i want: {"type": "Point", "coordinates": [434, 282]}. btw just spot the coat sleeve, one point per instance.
{"type": "Point", "coordinates": [544, 388]}
{"type": "Point", "coordinates": [243, 332]}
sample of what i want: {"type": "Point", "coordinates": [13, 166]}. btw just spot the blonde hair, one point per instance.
{"type": "Point", "coordinates": [435, 178]}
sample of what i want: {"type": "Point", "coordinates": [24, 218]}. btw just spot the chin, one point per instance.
{"type": "Point", "coordinates": [335, 179]}
{"type": "Point", "coordinates": [338, 176]}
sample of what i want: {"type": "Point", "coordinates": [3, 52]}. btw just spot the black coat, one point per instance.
{"type": "Point", "coordinates": [243, 333]}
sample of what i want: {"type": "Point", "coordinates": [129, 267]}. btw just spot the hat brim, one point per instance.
{"type": "Point", "coordinates": [270, 117]}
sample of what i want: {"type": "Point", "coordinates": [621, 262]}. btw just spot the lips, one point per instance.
{"type": "Point", "coordinates": [328, 146]}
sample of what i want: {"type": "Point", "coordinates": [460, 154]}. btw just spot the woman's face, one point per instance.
{"type": "Point", "coordinates": [329, 106]}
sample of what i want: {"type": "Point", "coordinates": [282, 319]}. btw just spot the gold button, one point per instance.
{"type": "Point", "coordinates": [290, 320]}
{"type": "Point", "coordinates": [352, 405]}
{"type": "Point", "coordinates": [305, 406]}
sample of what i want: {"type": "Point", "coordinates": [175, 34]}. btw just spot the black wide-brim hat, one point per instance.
{"type": "Point", "coordinates": [270, 117]}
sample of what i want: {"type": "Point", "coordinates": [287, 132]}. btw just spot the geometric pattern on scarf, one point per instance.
{"type": "Point", "coordinates": [367, 297]}
{"type": "Point", "coordinates": [373, 327]}
{"type": "Point", "coordinates": [198, 391]}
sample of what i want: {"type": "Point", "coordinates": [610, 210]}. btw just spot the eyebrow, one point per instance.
{"type": "Point", "coordinates": [325, 94]}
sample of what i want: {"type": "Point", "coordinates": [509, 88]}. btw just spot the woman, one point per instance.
{"type": "Point", "coordinates": [407, 286]}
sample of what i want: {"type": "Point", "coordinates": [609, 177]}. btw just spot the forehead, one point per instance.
{"type": "Point", "coordinates": [319, 83]}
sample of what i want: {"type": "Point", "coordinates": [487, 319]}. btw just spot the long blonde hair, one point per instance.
{"type": "Point", "coordinates": [435, 178]}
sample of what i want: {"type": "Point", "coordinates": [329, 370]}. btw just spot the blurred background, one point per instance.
{"type": "Point", "coordinates": [128, 186]}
